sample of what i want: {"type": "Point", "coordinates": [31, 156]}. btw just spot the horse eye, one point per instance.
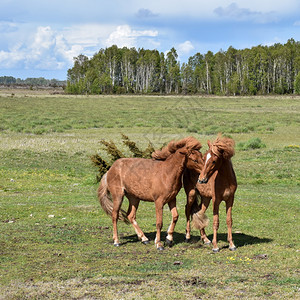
{"type": "Point", "coordinates": [213, 162]}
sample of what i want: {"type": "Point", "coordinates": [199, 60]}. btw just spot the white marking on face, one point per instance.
{"type": "Point", "coordinates": [208, 156]}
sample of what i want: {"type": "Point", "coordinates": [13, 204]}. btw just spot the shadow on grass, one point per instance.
{"type": "Point", "coordinates": [178, 237]}
{"type": "Point", "coordinates": [240, 239]}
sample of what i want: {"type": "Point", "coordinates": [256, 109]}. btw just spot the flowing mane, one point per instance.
{"type": "Point", "coordinates": [190, 143]}
{"type": "Point", "coordinates": [223, 146]}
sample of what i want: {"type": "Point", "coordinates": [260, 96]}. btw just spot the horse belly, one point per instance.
{"type": "Point", "coordinates": [152, 190]}
{"type": "Point", "coordinates": [142, 190]}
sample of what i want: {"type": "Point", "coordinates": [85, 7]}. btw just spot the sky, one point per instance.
{"type": "Point", "coordinates": [40, 38]}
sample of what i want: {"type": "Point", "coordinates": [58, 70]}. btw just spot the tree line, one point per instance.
{"type": "Point", "coordinates": [260, 70]}
{"type": "Point", "coordinates": [41, 81]}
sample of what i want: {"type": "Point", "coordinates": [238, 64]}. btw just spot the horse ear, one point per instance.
{"type": "Point", "coordinates": [209, 144]}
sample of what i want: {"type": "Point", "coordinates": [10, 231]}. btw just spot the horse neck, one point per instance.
{"type": "Point", "coordinates": [175, 164]}
{"type": "Point", "coordinates": [226, 171]}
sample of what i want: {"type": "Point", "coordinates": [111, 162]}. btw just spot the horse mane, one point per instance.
{"type": "Point", "coordinates": [190, 143]}
{"type": "Point", "coordinates": [223, 146]}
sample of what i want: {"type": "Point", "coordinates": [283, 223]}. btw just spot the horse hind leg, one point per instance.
{"type": "Point", "coordinates": [190, 200]}
{"type": "Point", "coordinates": [204, 205]}
{"type": "Point", "coordinates": [131, 215]}
{"type": "Point", "coordinates": [173, 209]}
{"type": "Point", "coordinates": [229, 204]}
{"type": "Point", "coordinates": [117, 202]}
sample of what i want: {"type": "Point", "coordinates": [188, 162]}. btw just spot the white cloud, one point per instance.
{"type": "Point", "coordinates": [48, 49]}
{"type": "Point", "coordinates": [124, 36]}
{"type": "Point", "coordinates": [44, 40]}
{"type": "Point", "coordinates": [67, 51]}
{"type": "Point", "coordinates": [10, 59]}
{"type": "Point", "coordinates": [43, 51]}
{"type": "Point", "coordinates": [185, 48]}
{"type": "Point", "coordinates": [87, 35]}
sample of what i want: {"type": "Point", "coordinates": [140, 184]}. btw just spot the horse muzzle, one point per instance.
{"type": "Point", "coordinates": [204, 180]}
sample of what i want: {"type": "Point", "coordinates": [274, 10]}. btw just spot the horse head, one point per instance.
{"type": "Point", "coordinates": [194, 159]}
{"type": "Point", "coordinates": [189, 147]}
{"type": "Point", "coordinates": [222, 148]}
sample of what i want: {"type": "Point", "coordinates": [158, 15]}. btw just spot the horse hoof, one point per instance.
{"type": "Point", "coordinates": [169, 243]}
{"type": "Point", "coordinates": [187, 240]}
{"type": "Point", "coordinates": [160, 248]}
{"type": "Point", "coordinates": [232, 248]}
{"type": "Point", "coordinates": [207, 243]}
{"type": "Point", "coordinates": [216, 250]}
{"type": "Point", "coordinates": [146, 242]}
{"type": "Point", "coordinates": [117, 245]}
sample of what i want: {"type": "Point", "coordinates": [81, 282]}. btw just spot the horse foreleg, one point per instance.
{"type": "Point", "coordinates": [216, 205]}
{"type": "Point", "coordinates": [159, 223]}
{"type": "Point", "coordinates": [173, 209]}
{"type": "Point", "coordinates": [229, 204]}
{"type": "Point", "coordinates": [131, 214]}
{"type": "Point", "coordinates": [189, 202]}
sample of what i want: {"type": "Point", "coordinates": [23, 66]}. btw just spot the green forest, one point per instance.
{"type": "Point", "coordinates": [41, 81]}
{"type": "Point", "coordinates": [260, 70]}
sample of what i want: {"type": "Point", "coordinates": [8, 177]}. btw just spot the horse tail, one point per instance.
{"type": "Point", "coordinates": [199, 219]}
{"type": "Point", "coordinates": [105, 200]}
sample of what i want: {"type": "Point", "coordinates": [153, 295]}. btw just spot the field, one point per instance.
{"type": "Point", "coordinates": [56, 242]}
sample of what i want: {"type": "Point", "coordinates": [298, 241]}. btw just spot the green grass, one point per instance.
{"type": "Point", "coordinates": [56, 242]}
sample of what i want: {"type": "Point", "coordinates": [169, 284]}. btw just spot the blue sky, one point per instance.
{"type": "Point", "coordinates": [39, 38]}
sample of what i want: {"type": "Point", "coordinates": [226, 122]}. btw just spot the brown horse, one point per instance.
{"type": "Point", "coordinates": [217, 181]}
{"type": "Point", "coordinates": [156, 180]}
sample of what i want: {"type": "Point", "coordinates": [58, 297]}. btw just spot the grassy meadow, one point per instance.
{"type": "Point", "coordinates": [56, 242]}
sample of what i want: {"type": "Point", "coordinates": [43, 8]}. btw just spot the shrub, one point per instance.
{"type": "Point", "coordinates": [102, 165]}
{"type": "Point", "coordinates": [115, 154]}
{"type": "Point", "coordinates": [112, 150]}
{"type": "Point", "coordinates": [254, 143]}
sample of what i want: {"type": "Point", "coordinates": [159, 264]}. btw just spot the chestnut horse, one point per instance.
{"type": "Point", "coordinates": [217, 181]}
{"type": "Point", "coordinates": [156, 180]}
